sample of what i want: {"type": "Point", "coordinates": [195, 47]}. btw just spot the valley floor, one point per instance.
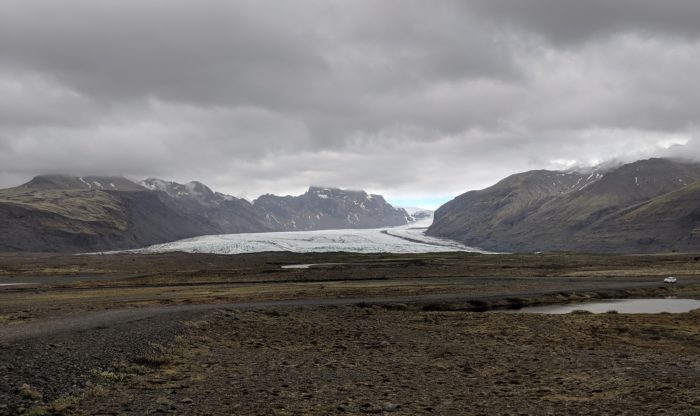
{"type": "Point", "coordinates": [354, 334]}
{"type": "Point", "coordinates": [375, 360]}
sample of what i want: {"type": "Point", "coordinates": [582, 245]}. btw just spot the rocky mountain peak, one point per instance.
{"type": "Point", "coordinates": [194, 189]}
{"type": "Point", "coordinates": [166, 210]}
{"type": "Point", "coordinates": [592, 210]}
{"type": "Point", "coordinates": [101, 183]}
{"type": "Point", "coordinates": [329, 208]}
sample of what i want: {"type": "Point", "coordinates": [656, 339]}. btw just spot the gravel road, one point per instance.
{"type": "Point", "coordinates": [55, 356]}
{"type": "Point", "coordinates": [97, 319]}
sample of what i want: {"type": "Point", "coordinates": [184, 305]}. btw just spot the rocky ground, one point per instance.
{"type": "Point", "coordinates": [42, 370]}
{"type": "Point", "coordinates": [398, 334]}
{"type": "Point", "coordinates": [386, 360]}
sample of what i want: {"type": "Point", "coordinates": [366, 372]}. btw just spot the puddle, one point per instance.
{"type": "Point", "coordinates": [297, 266]}
{"type": "Point", "coordinates": [619, 305]}
{"type": "Point", "coordinates": [307, 266]}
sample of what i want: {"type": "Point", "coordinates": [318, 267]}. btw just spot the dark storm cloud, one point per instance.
{"type": "Point", "coordinates": [576, 21]}
{"type": "Point", "coordinates": [410, 98]}
{"type": "Point", "coordinates": [207, 52]}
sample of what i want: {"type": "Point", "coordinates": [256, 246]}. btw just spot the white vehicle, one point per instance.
{"type": "Point", "coordinates": [670, 279]}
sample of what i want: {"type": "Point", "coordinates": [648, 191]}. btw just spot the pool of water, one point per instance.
{"type": "Point", "coordinates": [308, 266]}
{"type": "Point", "coordinates": [619, 305]}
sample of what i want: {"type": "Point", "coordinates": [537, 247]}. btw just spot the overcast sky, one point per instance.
{"type": "Point", "coordinates": [416, 100]}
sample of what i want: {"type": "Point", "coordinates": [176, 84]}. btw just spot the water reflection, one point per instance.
{"type": "Point", "coordinates": [669, 304]}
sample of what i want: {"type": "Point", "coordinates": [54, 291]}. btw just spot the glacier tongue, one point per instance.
{"type": "Point", "coordinates": [403, 239]}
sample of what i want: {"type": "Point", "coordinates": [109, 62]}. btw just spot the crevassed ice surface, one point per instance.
{"type": "Point", "coordinates": [408, 238]}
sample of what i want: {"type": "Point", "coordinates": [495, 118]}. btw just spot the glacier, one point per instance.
{"type": "Point", "coordinates": [408, 238]}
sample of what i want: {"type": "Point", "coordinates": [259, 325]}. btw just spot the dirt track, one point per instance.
{"type": "Point", "coordinates": [59, 335]}
{"type": "Point", "coordinates": [107, 318]}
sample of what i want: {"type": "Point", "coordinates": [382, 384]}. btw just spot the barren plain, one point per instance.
{"type": "Point", "coordinates": [351, 334]}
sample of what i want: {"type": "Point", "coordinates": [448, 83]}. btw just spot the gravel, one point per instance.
{"type": "Point", "coordinates": [62, 364]}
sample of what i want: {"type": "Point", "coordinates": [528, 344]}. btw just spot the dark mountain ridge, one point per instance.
{"type": "Point", "coordinates": [102, 183]}
{"type": "Point", "coordinates": [226, 213]}
{"type": "Point", "coordinates": [329, 208]}
{"type": "Point", "coordinates": [599, 211]}
{"type": "Point", "coordinates": [73, 220]}
{"type": "Point", "coordinates": [100, 213]}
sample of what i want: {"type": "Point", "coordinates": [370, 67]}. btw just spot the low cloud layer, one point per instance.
{"type": "Point", "coordinates": [418, 100]}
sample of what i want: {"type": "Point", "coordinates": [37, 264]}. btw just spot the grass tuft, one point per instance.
{"type": "Point", "coordinates": [151, 360]}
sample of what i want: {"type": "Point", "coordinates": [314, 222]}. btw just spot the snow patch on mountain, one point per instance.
{"type": "Point", "coordinates": [419, 214]}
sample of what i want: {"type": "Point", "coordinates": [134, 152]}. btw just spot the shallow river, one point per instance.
{"type": "Point", "coordinates": [621, 306]}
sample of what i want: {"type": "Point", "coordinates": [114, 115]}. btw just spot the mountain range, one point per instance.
{"type": "Point", "coordinates": [97, 213]}
{"type": "Point", "coordinates": [646, 206]}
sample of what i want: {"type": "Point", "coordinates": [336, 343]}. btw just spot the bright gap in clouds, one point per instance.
{"type": "Point", "coordinates": [431, 203]}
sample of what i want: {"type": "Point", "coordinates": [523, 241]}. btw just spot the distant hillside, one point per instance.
{"type": "Point", "coordinates": [419, 214]}
{"type": "Point", "coordinates": [73, 220]}
{"type": "Point", "coordinates": [101, 183]}
{"type": "Point", "coordinates": [328, 208]}
{"type": "Point", "coordinates": [76, 214]}
{"type": "Point", "coordinates": [229, 215]}
{"type": "Point", "coordinates": [646, 206]}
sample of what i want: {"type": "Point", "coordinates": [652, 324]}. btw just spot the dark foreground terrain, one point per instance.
{"type": "Point", "coordinates": [353, 360]}
{"type": "Point", "coordinates": [359, 334]}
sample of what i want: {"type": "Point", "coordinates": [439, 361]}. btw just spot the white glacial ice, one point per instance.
{"type": "Point", "coordinates": [408, 238]}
